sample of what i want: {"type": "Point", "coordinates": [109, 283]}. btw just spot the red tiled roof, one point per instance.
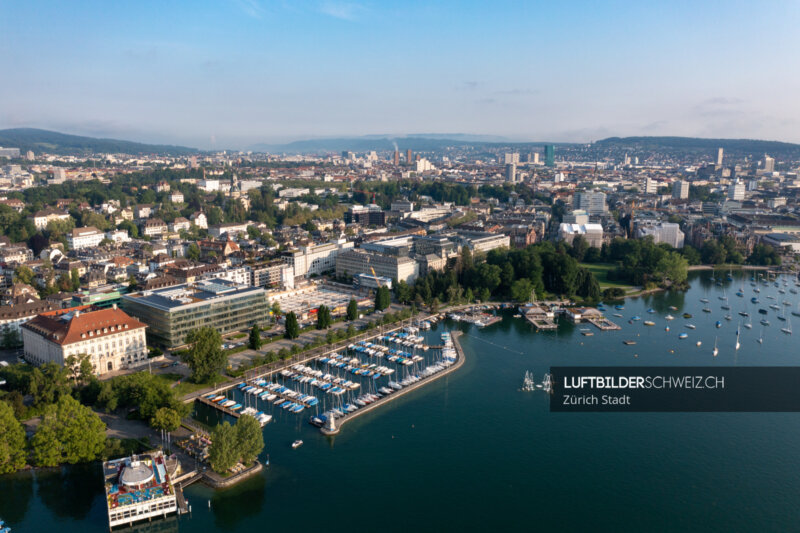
{"type": "Point", "coordinates": [87, 324]}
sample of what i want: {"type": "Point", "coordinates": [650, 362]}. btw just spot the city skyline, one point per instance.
{"type": "Point", "coordinates": [238, 73]}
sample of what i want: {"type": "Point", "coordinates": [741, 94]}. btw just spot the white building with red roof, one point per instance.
{"type": "Point", "coordinates": [112, 339]}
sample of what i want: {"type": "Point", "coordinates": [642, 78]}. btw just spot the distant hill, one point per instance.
{"type": "Point", "coordinates": [696, 145]}
{"type": "Point", "coordinates": [417, 143]}
{"type": "Point", "coordinates": [63, 144]}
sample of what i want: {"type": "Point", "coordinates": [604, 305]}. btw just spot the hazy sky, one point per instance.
{"type": "Point", "coordinates": [230, 73]}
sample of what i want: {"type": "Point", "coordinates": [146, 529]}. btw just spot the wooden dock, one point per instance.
{"type": "Point", "coordinates": [215, 405]}
{"type": "Point", "coordinates": [603, 324]}
{"type": "Point", "coordinates": [541, 322]}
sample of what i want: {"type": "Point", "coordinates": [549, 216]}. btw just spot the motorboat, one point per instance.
{"type": "Point", "coordinates": [296, 444]}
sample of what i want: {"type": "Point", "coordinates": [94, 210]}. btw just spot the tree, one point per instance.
{"type": "Point", "coordinates": [255, 341]}
{"type": "Point", "coordinates": [222, 452]}
{"type": "Point", "coordinates": [324, 319]}
{"type": "Point", "coordinates": [193, 252]}
{"type": "Point", "coordinates": [69, 433]}
{"type": "Point", "coordinates": [521, 290]}
{"type": "Point", "coordinates": [75, 279]}
{"type": "Point", "coordinates": [383, 298]}
{"type": "Point", "coordinates": [23, 274]}
{"type": "Point", "coordinates": [166, 419]}
{"type": "Point", "coordinates": [205, 356]}
{"type": "Point", "coordinates": [249, 439]}
{"type": "Point", "coordinates": [674, 267]}
{"type": "Point", "coordinates": [11, 337]}
{"type": "Point", "coordinates": [48, 383]}
{"type": "Point", "coordinates": [402, 292]}
{"type": "Point", "coordinates": [80, 367]}
{"type": "Point", "coordinates": [292, 327]}
{"type": "Point", "coordinates": [352, 310]}
{"type": "Point", "coordinates": [276, 308]}
{"type": "Point", "coordinates": [12, 441]}
{"type": "Point", "coordinates": [764, 254]}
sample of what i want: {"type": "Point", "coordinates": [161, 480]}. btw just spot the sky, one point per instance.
{"type": "Point", "coordinates": [233, 73]}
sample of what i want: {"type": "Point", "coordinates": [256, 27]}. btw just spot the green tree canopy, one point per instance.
{"type": "Point", "coordinates": [292, 327]}
{"type": "Point", "coordinates": [352, 309]}
{"type": "Point", "coordinates": [254, 341]}
{"type": "Point", "coordinates": [249, 439]}
{"type": "Point", "coordinates": [69, 433]}
{"type": "Point", "coordinates": [166, 419]}
{"type": "Point", "coordinates": [205, 355]}
{"type": "Point", "coordinates": [383, 298]}
{"type": "Point", "coordinates": [222, 452]}
{"type": "Point", "coordinates": [12, 441]}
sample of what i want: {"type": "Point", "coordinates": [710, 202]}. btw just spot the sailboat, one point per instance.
{"type": "Point", "coordinates": [737, 339]}
{"type": "Point", "coordinates": [760, 339]}
{"type": "Point", "coordinates": [788, 328]}
{"type": "Point", "coordinates": [716, 350]}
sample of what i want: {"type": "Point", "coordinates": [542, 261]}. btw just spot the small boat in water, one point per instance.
{"type": "Point", "coordinates": [691, 326]}
{"type": "Point", "coordinates": [669, 317]}
{"type": "Point", "coordinates": [706, 310]}
{"type": "Point", "coordinates": [683, 336]}
{"type": "Point", "coordinates": [716, 350]}
{"type": "Point", "coordinates": [687, 315]}
{"type": "Point", "coordinates": [718, 324]}
{"type": "Point", "coordinates": [296, 444]}
{"type": "Point", "coordinates": [629, 343]}
{"type": "Point", "coordinates": [649, 323]}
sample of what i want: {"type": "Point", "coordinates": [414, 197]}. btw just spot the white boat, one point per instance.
{"type": "Point", "coordinates": [716, 350]}
{"type": "Point", "coordinates": [296, 444]}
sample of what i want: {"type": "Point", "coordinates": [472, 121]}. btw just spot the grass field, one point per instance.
{"type": "Point", "coordinates": [600, 271]}
{"type": "Point", "coordinates": [184, 387]}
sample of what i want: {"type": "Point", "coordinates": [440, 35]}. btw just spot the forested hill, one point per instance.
{"type": "Point", "coordinates": [54, 142]}
{"type": "Point", "coordinates": [697, 145]}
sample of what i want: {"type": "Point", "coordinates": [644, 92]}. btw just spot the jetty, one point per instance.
{"type": "Point", "coordinates": [603, 324]}
{"type": "Point", "coordinates": [333, 427]}
{"type": "Point", "coordinates": [542, 323]}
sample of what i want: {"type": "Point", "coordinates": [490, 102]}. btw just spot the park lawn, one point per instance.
{"type": "Point", "coordinates": [601, 270]}
{"type": "Point", "coordinates": [185, 386]}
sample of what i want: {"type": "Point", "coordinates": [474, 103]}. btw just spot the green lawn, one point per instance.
{"type": "Point", "coordinates": [185, 386]}
{"type": "Point", "coordinates": [600, 271]}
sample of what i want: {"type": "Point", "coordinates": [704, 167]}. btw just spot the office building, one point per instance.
{"type": "Point", "coordinates": [769, 164]}
{"type": "Point", "coordinates": [549, 155]}
{"type": "Point", "coordinates": [11, 153]}
{"type": "Point", "coordinates": [593, 202]}
{"type": "Point", "coordinates": [719, 157]}
{"type": "Point", "coordinates": [353, 262]}
{"type": "Point", "coordinates": [511, 172]}
{"type": "Point", "coordinates": [408, 156]}
{"type": "Point", "coordinates": [367, 215]}
{"type": "Point", "coordinates": [736, 191]}
{"type": "Point", "coordinates": [667, 232]}
{"type": "Point", "coordinates": [593, 233]}
{"type": "Point", "coordinates": [172, 312]}
{"type": "Point", "coordinates": [680, 190]}
{"type": "Point", "coordinates": [650, 186]}
{"type": "Point", "coordinates": [396, 157]}
{"type": "Point", "coordinates": [88, 237]}
{"type": "Point", "coordinates": [316, 258]}
{"type": "Point", "coordinates": [511, 158]}
{"type": "Point", "coordinates": [110, 337]}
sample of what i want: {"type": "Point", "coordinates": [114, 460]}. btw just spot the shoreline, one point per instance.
{"type": "Point", "coordinates": [386, 399]}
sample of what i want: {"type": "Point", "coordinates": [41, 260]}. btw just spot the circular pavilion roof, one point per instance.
{"type": "Point", "coordinates": [136, 474]}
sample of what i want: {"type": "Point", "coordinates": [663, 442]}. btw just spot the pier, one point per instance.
{"type": "Point", "coordinates": [386, 399]}
{"type": "Point", "coordinates": [215, 405]}
{"type": "Point", "coordinates": [603, 324]}
{"type": "Point", "coordinates": [541, 322]}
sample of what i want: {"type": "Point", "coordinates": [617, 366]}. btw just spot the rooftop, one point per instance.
{"type": "Point", "coordinates": [189, 293]}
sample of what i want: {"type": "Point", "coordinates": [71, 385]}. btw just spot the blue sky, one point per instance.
{"type": "Point", "coordinates": [230, 73]}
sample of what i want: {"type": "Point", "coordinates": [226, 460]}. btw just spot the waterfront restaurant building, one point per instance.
{"type": "Point", "coordinates": [172, 312]}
